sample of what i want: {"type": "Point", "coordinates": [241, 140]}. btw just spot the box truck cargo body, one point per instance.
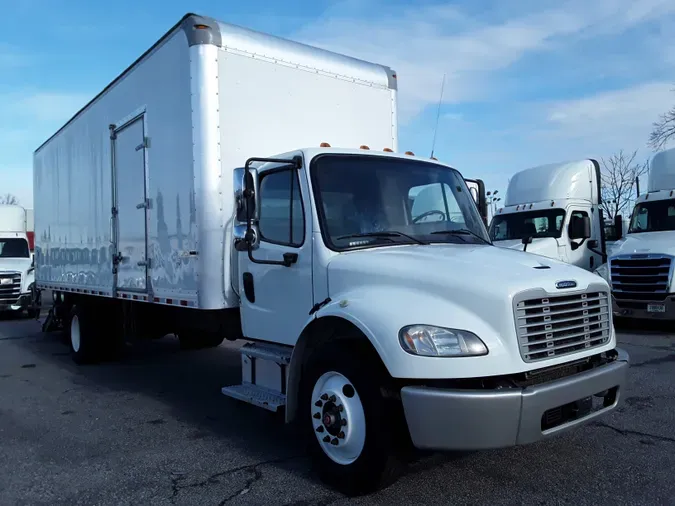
{"type": "Point", "coordinates": [233, 184]}
{"type": "Point", "coordinates": [161, 218]}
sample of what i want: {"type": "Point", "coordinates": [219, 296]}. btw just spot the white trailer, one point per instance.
{"type": "Point", "coordinates": [16, 262]}
{"type": "Point", "coordinates": [185, 199]}
{"type": "Point", "coordinates": [640, 267]}
{"type": "Point", "coordinates": [554, 210]}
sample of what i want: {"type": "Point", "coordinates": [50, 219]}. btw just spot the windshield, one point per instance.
{"type": "Point", "coordinates": [14, 248]}
{"type": "Point", "coordinates": [535, 224]}
{"type": "Point", "coordinates": [367, 201]}
{"type": "Point", "coordinates": [655, 216]}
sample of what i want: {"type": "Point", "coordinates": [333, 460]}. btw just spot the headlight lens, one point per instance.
{"type": "Point", "coordinates": [430, 341]}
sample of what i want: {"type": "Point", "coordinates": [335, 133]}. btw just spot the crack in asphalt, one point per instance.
{"type": "Point", "coordinates": [629, 432]}
{"type": "Point", "coordinates": [177, 487]}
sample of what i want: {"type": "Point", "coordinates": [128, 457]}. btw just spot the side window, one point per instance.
{"type": "Point", "coordinates": [578, 214]}
{"type": "Point", "coordinates": [282, 219]}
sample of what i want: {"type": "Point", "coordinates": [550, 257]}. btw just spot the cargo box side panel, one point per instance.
{"type": "Point", "coordinates": [73, 182]}
{"type": "Point", "coordinates": [269, 107]}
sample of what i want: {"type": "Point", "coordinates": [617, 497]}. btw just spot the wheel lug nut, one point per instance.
{"type": "Point", "coordinates": [320, 428]}
{"type": "Point", "coordinates": [341, 435]}
{"type": "Point", "coordinates": [324, 397]}
{"type": "Point", "coordinates": [332, 398]}
{"type": "Point", "coordinates": [341, 408]}
{"type": "Point", "coordinates": [343, 422]}
{"type": "Point", "coordinates": [326, 439]}
{"type": "Point", "coordinates": [317, 415]}
{"type": "Point", "coordinates": [318, 404]}
{"type": "Point", "coordinates": [334, 442]}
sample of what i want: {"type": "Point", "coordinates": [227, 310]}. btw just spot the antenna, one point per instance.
{"type": "Point", "coordinates": [438, 115]}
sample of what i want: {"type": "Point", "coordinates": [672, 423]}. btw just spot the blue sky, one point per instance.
{"type": "Point", "coordinates": [528, 82]}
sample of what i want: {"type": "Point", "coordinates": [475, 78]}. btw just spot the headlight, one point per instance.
{"type": "Point", "coordinates": [429, 341]}
{"type": "Point", "coordinates": [603, 272]}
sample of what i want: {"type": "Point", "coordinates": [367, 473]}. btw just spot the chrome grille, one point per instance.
{"type": "Point", "coordinates": [640, 277]}
{"type": "Point", "coordinates": [10, 287]}
{"type": "Point", "coordinates": [552, 326]}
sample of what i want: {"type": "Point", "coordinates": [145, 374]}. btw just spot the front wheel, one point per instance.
{"type": "Point", "coordinates": [351, 429]}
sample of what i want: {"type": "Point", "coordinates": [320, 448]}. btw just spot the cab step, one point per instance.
{"type": "Point", "coordinates": [264, 375]}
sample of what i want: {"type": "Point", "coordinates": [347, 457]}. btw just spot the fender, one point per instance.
{"type": "Point", "coordinates": [379, 312]}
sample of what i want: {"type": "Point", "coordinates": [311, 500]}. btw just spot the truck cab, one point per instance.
{"type": "Point", "coordinates": [640, 267]}
{"type": "Point", "coordinates": [554, 211]}
{"type": "Point", "coordinates": [17, 272]}
{"type": "Point", "coordinates": [368, 279]}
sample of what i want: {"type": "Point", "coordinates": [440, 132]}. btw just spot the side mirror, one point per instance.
{"type": "Point", "coordinates": [579, 227]}
{"type": "Point", "coordinates": [618, 226]}
{"type": "Point", "coordinates": [245, 202]}
{"type": "Point", "coordinates": [246, 195]}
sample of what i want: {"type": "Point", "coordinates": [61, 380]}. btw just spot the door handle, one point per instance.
{"type": "Point", "coordinates": [112, 238]}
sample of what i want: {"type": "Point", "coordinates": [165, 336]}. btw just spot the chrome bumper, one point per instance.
{"type": "Point", "coordinates": [440, 419]}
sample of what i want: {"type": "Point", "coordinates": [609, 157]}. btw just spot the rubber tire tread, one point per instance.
{"type": "Point", "coordinates": [89, 351]}
{"type": "Point", "coordinates": [380, 463]}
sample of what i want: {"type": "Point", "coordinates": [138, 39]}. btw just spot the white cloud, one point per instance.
{"type": "Point", "coordinates": [619, 118]}
{"type": "Point", "coordinates": [424, 42]}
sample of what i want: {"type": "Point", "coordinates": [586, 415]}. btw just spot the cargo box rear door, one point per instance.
{"type": "Point", "coordinates": [129, 158]}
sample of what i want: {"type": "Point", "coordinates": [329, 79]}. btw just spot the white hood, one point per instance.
{"type": "Point", "coordinates": [19, 265]}
{"type": "Point", "coordinates": [481, 269]}
{"type": "Point", "coordinates": [469, 287]}
{"type": "Point", "coordinates": [15, 265]}
{"type": "Point", "coordinates": [645, 242]}
{"type": "Point", "coordinates": [544, 246]}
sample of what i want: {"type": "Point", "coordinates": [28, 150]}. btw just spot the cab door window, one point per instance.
{"type": "Point", "coordinates": [282, 218]}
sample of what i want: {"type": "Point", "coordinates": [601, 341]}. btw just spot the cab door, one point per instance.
{"type": "Point", "coordinates": [276, 299]}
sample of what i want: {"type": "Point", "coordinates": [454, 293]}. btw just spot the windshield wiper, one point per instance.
{"type": "Point", "coordinates": [384, 233]}
{"type": "Point", "coordinates": [461, 231]}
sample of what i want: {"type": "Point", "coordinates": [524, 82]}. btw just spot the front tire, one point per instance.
{"type": "Point", "coordinates": [352, 431]}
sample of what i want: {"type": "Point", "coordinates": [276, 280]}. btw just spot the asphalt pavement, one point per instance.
{"type": "Point", "coordinates": [154, 429]}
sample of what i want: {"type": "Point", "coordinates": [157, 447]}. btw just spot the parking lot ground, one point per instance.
{"type": "Point", "coordinates": [154, 429]}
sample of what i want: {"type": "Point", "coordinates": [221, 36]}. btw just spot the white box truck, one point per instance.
{"type": "Point", "coordinates": [184, 199]}
{"type": "Point", "coordinates": [640, 267]}
{"type": "Point", "coordinates": [17, 272]}
{"type": "Point", "coordinates": [554, 210]}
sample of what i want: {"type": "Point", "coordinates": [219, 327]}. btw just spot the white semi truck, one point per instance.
{"type": "Point", "coordinates": [554, 210]}
{"type": "Point", "coordinates": [640, 267]}
{"type": "Point", "coordinates": [17, 274]}
{"type": "Point", "coordinates": [377, 322]}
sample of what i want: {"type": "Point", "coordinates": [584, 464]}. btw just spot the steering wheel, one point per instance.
{"type": "Point", "coordinates": [429, 213]}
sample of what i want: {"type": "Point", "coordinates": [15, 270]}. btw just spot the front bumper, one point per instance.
{"type": "Point", "coordinates": [442, 419]}
{"type": "Point", "coordinates": [23, 302]}
{"type": "Point", "coordinates": [638, 309]}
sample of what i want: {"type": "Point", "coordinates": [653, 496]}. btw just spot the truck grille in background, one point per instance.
{"type": "Point", "coordinates": [10, 287]}
{"type": "Point", "coordinates": [559, 325]}
{"type": "Point", "coordinates": [640, 277]}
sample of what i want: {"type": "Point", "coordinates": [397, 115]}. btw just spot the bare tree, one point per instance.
{"type": "Point", "coordinates": [619, 172]}
{"type": "Point", "coordinates": [663, 130]}
{"type": "Point", "coordinates": [8, 198]}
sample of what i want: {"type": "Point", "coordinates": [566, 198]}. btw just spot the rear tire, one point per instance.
{"type": "Point", "coordinates": [352, 431]}
{"type": "Point", "coordinates": [81, 336]}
